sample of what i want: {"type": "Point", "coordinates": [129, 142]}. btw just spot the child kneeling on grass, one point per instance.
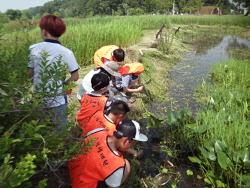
{"type": "Point", "coordinates": [95, 100]}
{"type": "Point", "coordinates": [130, 75]}
{"type": "Point", "coordinates": [104, 165]}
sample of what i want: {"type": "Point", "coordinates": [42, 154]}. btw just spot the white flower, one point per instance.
{"type": "Point", "coordinates": [211, 100]}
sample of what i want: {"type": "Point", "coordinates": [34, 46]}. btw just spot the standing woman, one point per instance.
{"type": "Point", "coordinates": [49, 59]}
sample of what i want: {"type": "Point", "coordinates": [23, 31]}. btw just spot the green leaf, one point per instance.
{"type": "Point", "coordinates": [223, 160]}
{"type": "Point", "coordinates": [188, 111]}
{"type": "Point", "coordinates": [27, 142]}
{"type": "Point", "coordinates": [7, 159]}
{"type": "Point", "coordinates": [195, 160]}
{"type": "Point", "coordinates": [210, 174]}
{"type": "Point", "coordinates": [219, 146]}
{"type": "Point", "coordinates": [180, 115]}
{"type": "Point", "coordinates": [149, 123]}
{"type": "Point", "coordinates": [38, 127]}
{"type": "Point", "coordinates": [37, 135]}
{"type": "Point", "coordinates": [247, 164]}
{"type": "Point", "coordinates": [170, 153]}
{"type": "Point", "coordinates": [200, 129]}
{"type": "Point", "coordinates": [172, 117]}
{"type": "Point", "coordinates": [207, 181]}
{"type": "Point", "coordinates": [157, 121]}
{"type": "Point", "coordinates": [42, 183]}
{"type": "Point", "coordinates": [220, 184]}
{"type": "Point", "coordinates": [164, 170]}
{"type": "Point", "coordinates": [191, 126]}
{"type": "Point", "coordinates": [246, 155]}
{"type": "Point", "coordinates": [16, 140]}
{"type": "Point", "coordinates": [190, 173]}
{"type": "Point", "coordinates": [236, 158]}
{"type": "Point", "coordinates": [210, 155]}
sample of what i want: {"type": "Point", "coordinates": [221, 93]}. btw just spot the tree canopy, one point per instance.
{"type": "Point", "coordinates": [86, 8]}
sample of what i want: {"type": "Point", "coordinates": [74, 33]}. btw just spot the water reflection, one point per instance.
{"type": "Point", "coordinates": [237, 43]}
{"type": "Point", "coordinates": [185, 76]}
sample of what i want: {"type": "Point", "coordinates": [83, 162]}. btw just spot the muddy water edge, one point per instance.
{"type": "Point", "coordinates": [163, 153]}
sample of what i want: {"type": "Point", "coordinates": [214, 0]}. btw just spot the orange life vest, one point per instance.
{"type": "Point", "coordinates": [103, 53]}
{"type": "Point", "coordinates": [100, 162]}
{"type": "Point", "coordinates": [89, 105]}
{"type": "Point", "coordinates": [98, 120]}
{"type": "Point", "coordinates": [131, 68]}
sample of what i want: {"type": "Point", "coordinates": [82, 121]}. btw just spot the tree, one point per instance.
{"type": "Point", "coordinates": [41, 10]}
{"type": "Point", "coordinates": [114, 4]}
{"type": "Point", "coordinates": [135, 11]}
{"type": "Point", "coordinates": [27, 14]}
{"type": "Point", "coordinates": [104, 8]}
{"type": "Point", "coordinates": [80, 7]}
{"type": "Point", "coordinates": [197, 4]}
{"type": "Point", "coordinates": [163, 5]}
{"type": "Point", "coordinates": [3, 19]}
{"type": "Point", "coordinates": [57, 14]}
{"type": "Point", "coordinates": [149, 6]}
{"type": "Point", "coordinates": [13, 14]}
{"type": "Point", "coordinates": [50, 7]}
{"type": "Point", "coordinates": [244, 3]}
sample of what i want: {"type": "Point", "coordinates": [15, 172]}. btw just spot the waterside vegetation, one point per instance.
{"type": "Point", "coordinates": [28, 146]}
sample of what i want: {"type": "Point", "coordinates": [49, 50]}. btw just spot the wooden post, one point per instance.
{"type": "Point", "coordinates": [159, 32]}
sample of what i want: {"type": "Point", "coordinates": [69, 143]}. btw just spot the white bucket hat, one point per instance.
{"type": "Point", "coordinates": [112, 68]}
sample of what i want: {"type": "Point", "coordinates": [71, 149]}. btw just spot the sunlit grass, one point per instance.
{"type": "Point", "coordinates": [230, 109]}
{"type": "Point", "coordinates": [226, 119]}
{"type": "Point", "coordinates": [85, 36]}
{"type": "Point", "coordinates": [211, 20]}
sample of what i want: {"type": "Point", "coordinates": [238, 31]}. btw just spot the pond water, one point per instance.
{"type": "Point", "coordinates": [195, 68]}
{"type": "Point", "coordinates": [185, 76]}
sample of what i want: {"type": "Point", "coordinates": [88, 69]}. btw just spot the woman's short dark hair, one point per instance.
{"type": "Point", "coordinates": [54, 25]}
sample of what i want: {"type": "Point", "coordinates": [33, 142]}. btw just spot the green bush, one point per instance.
{"type": "Point", "coordinates": [28, 142]}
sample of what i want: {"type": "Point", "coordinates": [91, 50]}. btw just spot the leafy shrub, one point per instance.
{"type": "Point", "coordinates": [28, 142]}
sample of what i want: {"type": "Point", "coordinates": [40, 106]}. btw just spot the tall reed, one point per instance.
{"type": "Point", "coordinates": [85, 36]}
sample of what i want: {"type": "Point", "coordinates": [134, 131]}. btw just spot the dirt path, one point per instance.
{"type": "Point", "coordinates": [147, 42]}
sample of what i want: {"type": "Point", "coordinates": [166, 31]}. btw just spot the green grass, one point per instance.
{"type": "Point", "coordinates": [225, 125]}
{"type": "Point", "coordinates": [211, 20]}
{"type": "Point", "coordinates": [85, 36]}
{"type": "Point", "coordinates": [231, 95]}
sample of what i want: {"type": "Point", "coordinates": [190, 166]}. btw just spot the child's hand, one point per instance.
{"type": "Point", "coordinates": [111, 85]}
{"type": "Point", "coordinates": [135, 154]}
{"type": "Point", "coordinates": [69, 91]}
{"type": "Point", "coordinates": [140, 88]}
